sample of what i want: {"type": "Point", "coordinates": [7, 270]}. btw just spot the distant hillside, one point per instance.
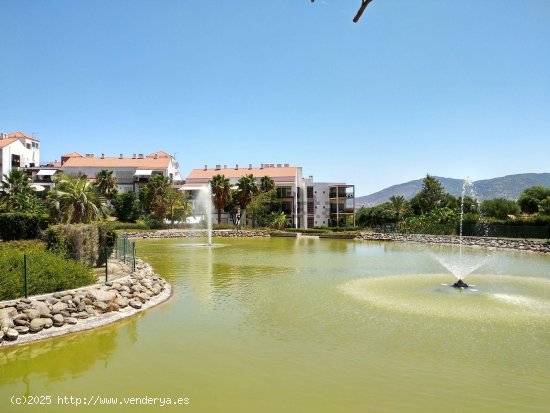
{"type": "Point", "coordinates": [509, 186]}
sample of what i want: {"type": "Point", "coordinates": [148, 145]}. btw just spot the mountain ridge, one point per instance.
{"type": "Point", "coordinates": [508, 186]}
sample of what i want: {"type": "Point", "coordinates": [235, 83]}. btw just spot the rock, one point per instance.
{"type": "Point", "coordinates": [135, 304]}
{"type": "Point", "coordinates": [52, 300]}
{"type": "Point", "coordinates": [71, 320]}
{"type": "Point", "coordinates": [20, 322]}
{"type": "Point", "coordinates": [126, 294]}
{"type": "Point", "coordinates": [102, 305]}
{"type": "Point", "coordinates": [142, 296]}
{"type": "Point", "coordinates": [11, 334]}
{"type": "Point", "coordinates": [22, 306]}
{"type": "Point", "coordinates": [82, 314]}
{"type": "Point", "coordinates": [1, 336]}
{"type": "Point", "coordinates": [65, 313]}
{"type": "Point", "coordinates": [8, 312]}
{"type": "Point", "coordinates": [33, 313]}
{"type": "Point", "coordinates": [19, 317]}
{"type": "Point", "coordinates": [103, 295]}
{"type": "Point", "coordinates": [67, 298]}
{"type": "Point", "coordinates": [36, 325]}
{"type": "Point", "coordinates": [58, 307]}
{"type": "Point", "coordinates": [58, 320]}
{"type": "Point", "coordinates": [22, 329]}
{"type": "Point", "coordinates": [81, 306]}
{"type": "Point", "coordinates": [26, 300]}
{"type": "Point", "coordinates": [42, 307]}
{"type": "Point", "coordinates": [56, 295]}
{"type": "Point", "coordinates": [122, 302]}
{"type": "Point", "coordinates": [47, 322]}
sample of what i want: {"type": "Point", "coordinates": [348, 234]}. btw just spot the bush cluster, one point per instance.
{"type": "Point", "coordinates": [89, 244]}
{"type": "Point", "coordinates": [46, 271]}
{"type": "Point", "coordinates": [18, 225]}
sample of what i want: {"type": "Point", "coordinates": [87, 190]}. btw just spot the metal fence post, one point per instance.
{"type": "Point", "coordinates": [134, 257]}
{"type": "Point", "coordinates": [25, 274]}
{"type": "Point", "coordinates": [125, 247]}
{"type": "Point", "coordinates": [106, 265]}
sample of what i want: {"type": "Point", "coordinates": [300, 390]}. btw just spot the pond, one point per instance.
{"type": "Point", "coordinates": [309, 325]}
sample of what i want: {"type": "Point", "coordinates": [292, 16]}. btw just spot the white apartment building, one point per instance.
{"type": "Point", "coordinates": [305, 203]}
{"type": "Point", "coordinates": [130, 172]}
{"type": "Point", "coordinates": [18, 150]}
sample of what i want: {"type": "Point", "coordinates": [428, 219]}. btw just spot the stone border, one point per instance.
{"type": "Point", "coordinates": [485, 242]}
{"type": "Point", "coordinates": [100, 304]}
{"type": "Point", "coordinates": [193, 233]}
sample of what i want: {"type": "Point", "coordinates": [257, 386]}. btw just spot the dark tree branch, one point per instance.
{"type": "Point", "coordinates": [364, 4]}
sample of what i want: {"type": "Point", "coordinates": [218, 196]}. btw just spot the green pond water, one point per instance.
{"type": "Point", "coordinates": [309, 325]}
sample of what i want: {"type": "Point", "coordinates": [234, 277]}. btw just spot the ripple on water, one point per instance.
{"type": "Point", "coordinates": [495, 298]}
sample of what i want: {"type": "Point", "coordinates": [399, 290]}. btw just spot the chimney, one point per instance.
{"type": "Point", "coordinates": [225, 167]}
{"type": "Point", "coordinates": [237, 166]}
{"type": "Point", "coordinates": [279, 165]}
{"type": "Point", "coordinates": [286, 165]}
{"type": "Point", "coordinates": [271, 165]}
{"type": "Point", "coordinates": [120, 157]}
{"type": "Point", "coordinates": [156, 155]}
{"type": "Point", "coordinates": [140, 156]}
{"type": "Point", "coordinates": [3, 135]}
{"type": "Point", "coordinates": [89, 155]}
{"type": "Point", "coordinates": [262, 166]}
{"type": "Point", "coordinates": [102, 156]}
{"type": "Point", "coordinates": [205, 167]}
{"type": "Point", "coordinates": [134, 156]}
{"type": "Point", "coordinates": [311, 177]}
{"type": "Point", "coordinates": [249, 166]}
{"type": "Point", "coordinates": [218, 167]}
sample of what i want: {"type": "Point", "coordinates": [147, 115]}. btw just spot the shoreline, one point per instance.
{"type": "Point", "coordinates": [519, 244]}
{"type": "Point", "coordinates": [61, 313]}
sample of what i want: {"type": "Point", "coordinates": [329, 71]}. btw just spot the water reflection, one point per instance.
{"type": "Point", "coordinates": [78, 353]}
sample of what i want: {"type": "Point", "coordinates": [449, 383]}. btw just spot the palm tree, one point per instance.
{"type": "Point", "coordinates": [221, 193]}
{"type": "Point", "coordinates": [267, 184]}
{"type": "Point", "coordinates": [157, 188]}
{"type": "Point", "coordinates": [399, 206]}
{"type": "Point", "coordinates": [16, 182]}
{"type": "Point", "coordinates": [106, 184]}
{"type": "Point", "coordinates": [246, 189]}
{"type": "Point", "coordinates": [76, 200]}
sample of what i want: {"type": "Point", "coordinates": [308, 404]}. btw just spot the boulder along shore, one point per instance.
{"type": "Point", "coordinates": [50, 315]}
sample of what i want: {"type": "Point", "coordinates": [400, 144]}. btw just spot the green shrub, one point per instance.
{"type": "Point", "coordinates": [79, 242]}
{"type": "Point", "coordinates": [223, 226]}
{"type": "Point", "coordinates": [140, 225]}
{"type": "Point", "coordinates": [17, 225]}
{"type": "Point", "coordinates": [127, 206]}
{"type": "Point", "coordinates": [46, 271]}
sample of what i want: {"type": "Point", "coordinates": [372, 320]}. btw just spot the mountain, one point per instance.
{"type": "Point", "coordinates": [509, 186]}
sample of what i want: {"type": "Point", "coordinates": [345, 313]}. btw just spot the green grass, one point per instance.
{"type": "Point", "coordinates": [46, 271]}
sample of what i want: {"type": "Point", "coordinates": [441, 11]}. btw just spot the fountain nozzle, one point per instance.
{"type": "Point", "coordinates": [460, 284]}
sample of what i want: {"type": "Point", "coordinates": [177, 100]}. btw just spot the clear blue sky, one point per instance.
{"type": "Point", "coordinates": [453, 88]}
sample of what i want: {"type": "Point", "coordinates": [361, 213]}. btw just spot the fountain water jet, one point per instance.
{"type": "Point", "coordinates": [205, 198]}
{"type": "Point", "coordinates": [461, 266]}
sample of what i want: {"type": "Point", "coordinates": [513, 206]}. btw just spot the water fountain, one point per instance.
{"type": "Point", "coordinates": [205, 199]}
{"type": "Point", "coordinates": [462, 265]}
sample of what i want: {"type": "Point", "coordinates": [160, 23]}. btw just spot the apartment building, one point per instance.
{"type": "Point", "coordinates": [18, 150]}
{"type": "Point", "coordinates": [130, 172]}
{"type": "Point", "coordinates": [305, 203]}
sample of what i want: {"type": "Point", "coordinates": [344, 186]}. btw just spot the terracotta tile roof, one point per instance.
{"type": "Point", "coordinates": [198, 175]}
{"type": "Point", "coordinates": [159, 154]}
{"type": "Point", "coordinates": [21, 135]}
{"type": "Point", "coordinates": [70, 155]}
{"type": "Point", "coordinates": [7, 141]}
{"type": "Point", "coordinates": [112, 162]}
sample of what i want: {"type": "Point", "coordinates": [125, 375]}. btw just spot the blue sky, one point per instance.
{"type": "Point", "coordinates": [453, 88]}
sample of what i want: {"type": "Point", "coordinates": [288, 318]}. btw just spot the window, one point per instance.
{"type": "Point", "coordinates": [28, 145]}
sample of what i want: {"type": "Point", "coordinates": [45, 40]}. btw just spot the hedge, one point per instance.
{"type": "Point", "coordinates": [17, 225]}
{"type": "Point", "coordinates": [46, 271]}
{"type": "Point", "coordinates": [86, 243]}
